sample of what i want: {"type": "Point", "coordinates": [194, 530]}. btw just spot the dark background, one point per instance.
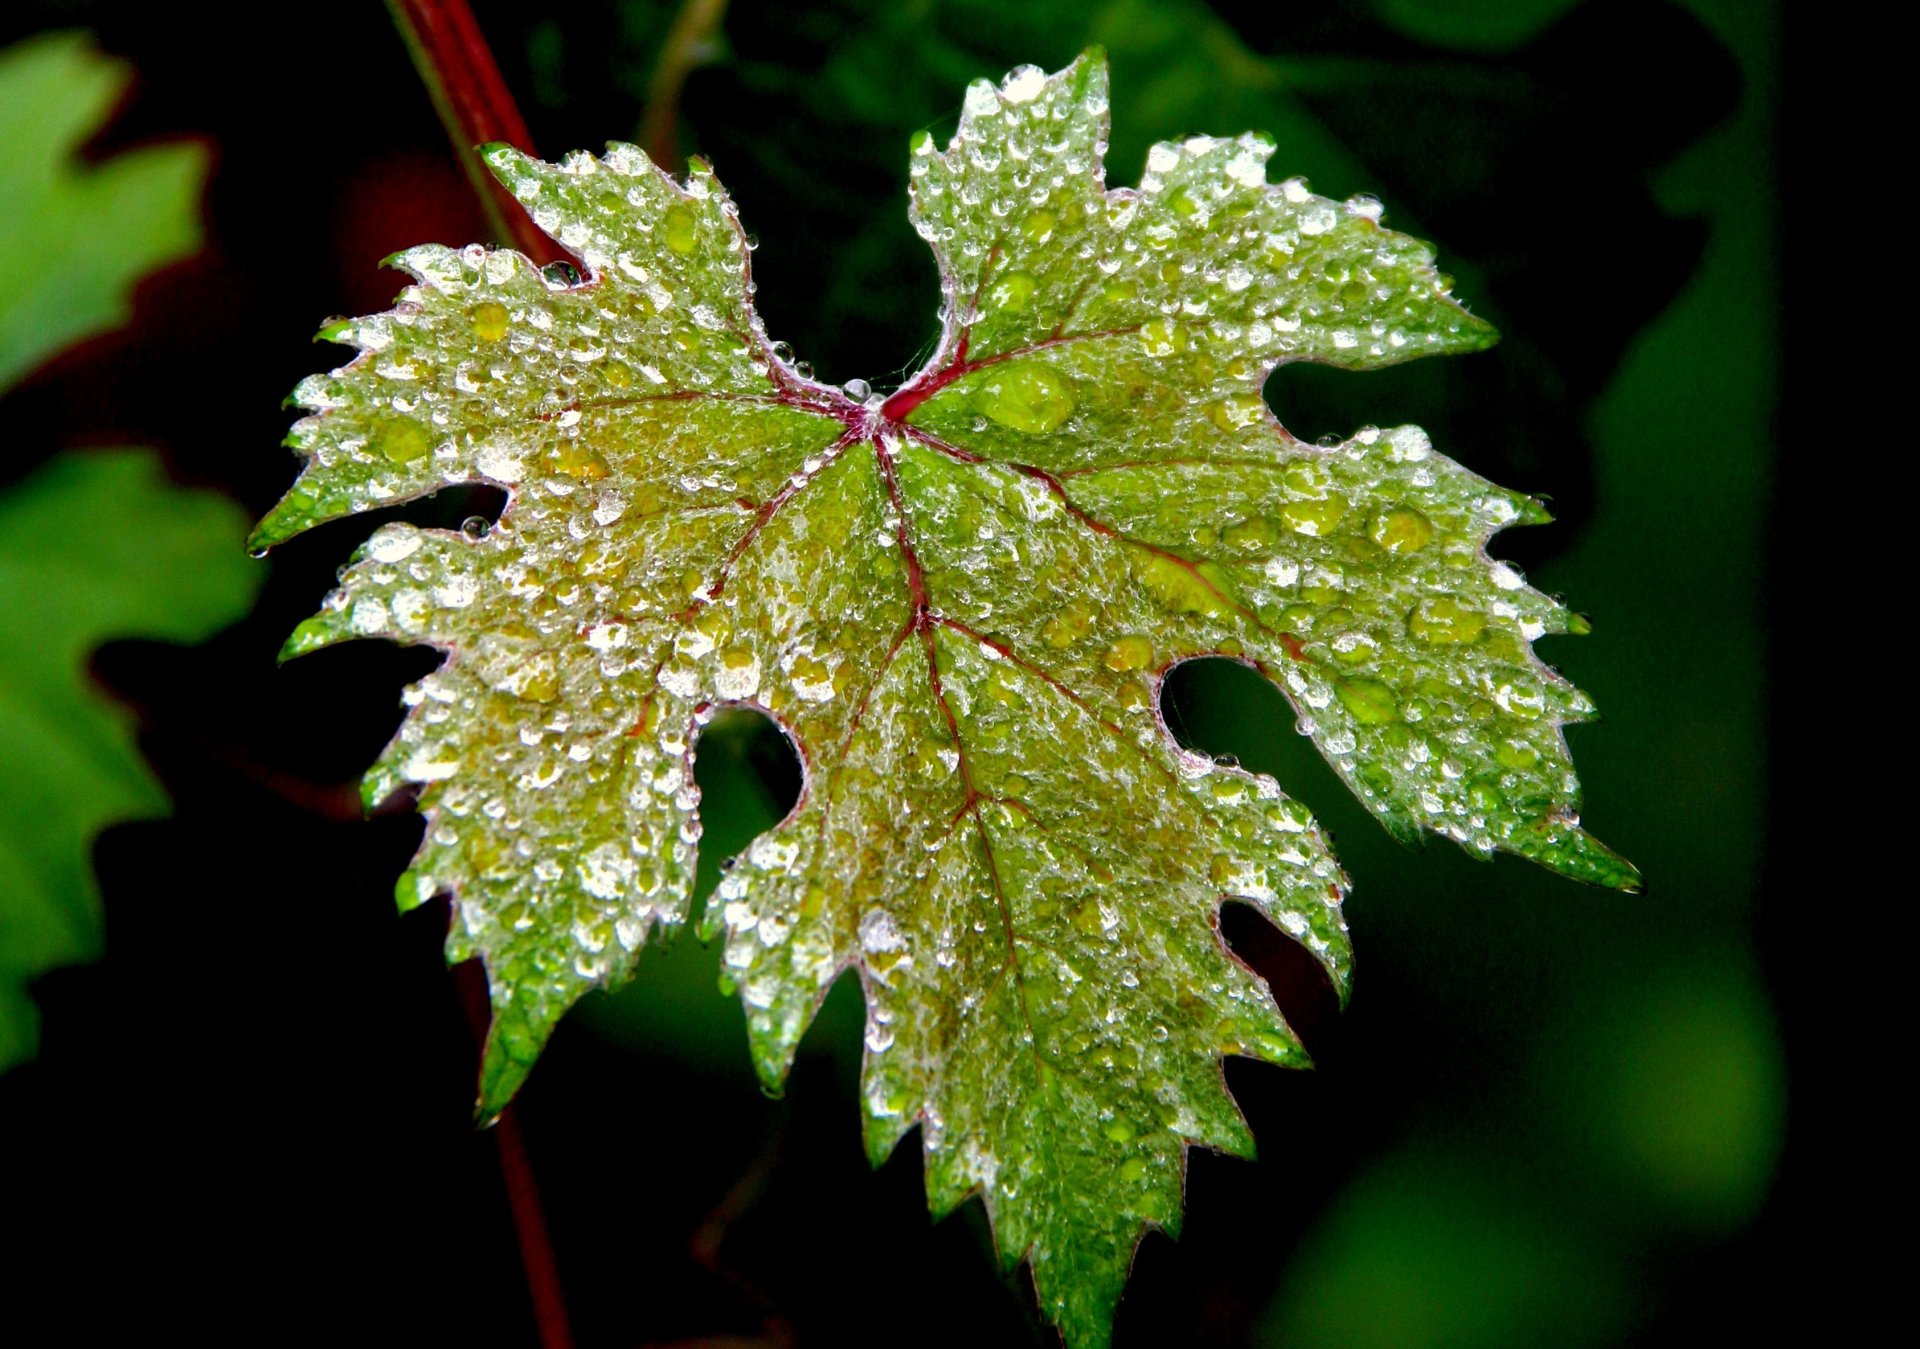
{"type": "Point", "coordinates": [1550, 1116]}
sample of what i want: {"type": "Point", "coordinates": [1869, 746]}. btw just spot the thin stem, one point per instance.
{"type": "Point", "coordinates": [689, 45]}
{"type": "Point", "coordinates": [475, 107]}
{"type": "Point", "coordinates": [523, 1193]}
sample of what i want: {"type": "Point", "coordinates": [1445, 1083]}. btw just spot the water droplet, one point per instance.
{"type": "Point", "coordinates": [1237, 410]}
{"type": "Point", "coordinates": [1442, 620]}
{"type": "Point", "coordinates": [475, 527]}
{"type": "Point", "coordinates": [739, 673]}
{"type": "Point", "coordinates": [1011, 291]}
{"type": "Point", "coordinates": [1403, 530]}
{"type": "Point", "coordinates": [1025, 396]}
{"type": "Point", "coordinates": [1039, 226]}
{"type": "Point", "coordinates": [1368, 701]}
{"type": "Point", "coordinates": [857, 389]}
{"type": "Point", "coordinates": [1132, 652]}
{"type": "Point", "coordinates": [1314, 517]}
{"type": "Point", "coordinates": [1024, 84]}
{"type": "Point", "coordinates": [680, 226]}
{"type": "Point", "coordinates": [489, 319]}
{"type": "Point", "coordinates": [561, 274]}
{"type": "Point", "coordinates": [401, 440]}
{"type": "Point", "coordinates": [1517, 755]}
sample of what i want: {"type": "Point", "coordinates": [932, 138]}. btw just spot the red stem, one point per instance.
{"type": "Point", "coordinates": [475, 106]}
{"type": "Point", "coordinates": [523, 1192]}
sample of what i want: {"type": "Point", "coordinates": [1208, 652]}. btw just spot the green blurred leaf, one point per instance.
{"type": "Point", "coordinates": [1423, 1254]}
{"type": "Point", "coordinates": [76, 237]}
{"type": "Point", "coordinates": [1679, 1098]}
{"type": "Point", "coordinates": [94, 545]}
{"type": "Point", "coordinates": [1472, 25]}
{"type": "Point", "coordinates": [960, 602]}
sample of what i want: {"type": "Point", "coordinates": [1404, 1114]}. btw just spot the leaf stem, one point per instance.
{"type": "Point", "coordinates": [688, 45]}
{"type": "Point", "coordinates": [475, 106]}
{"type": "Point", "coordinates": [523, 1193]}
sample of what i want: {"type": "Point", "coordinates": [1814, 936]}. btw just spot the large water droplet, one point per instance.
{"type": "Point", "coordinates": [489, 320]}
{"type": "Point", "coordinates": [1441, 619]}
{"type": "Point", "coordinates": [1027, 397]}
{"type": "Point", "coordinates": [401, 440]}
{"type": "Point", "coordinates": [680, 225]}
{"type": "Point", "coordinates": [1368, 701]}
{"type": "Point", "coordinates": [1403, 530]}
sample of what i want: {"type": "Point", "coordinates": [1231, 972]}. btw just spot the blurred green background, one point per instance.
{"type": "Point", "coordinates": [1550, 1115]}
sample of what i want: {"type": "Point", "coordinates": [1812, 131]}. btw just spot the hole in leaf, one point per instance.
{"type": "Point", "coordinates": [1228, 711]}
{"type": "Point", "coordinates": [1320, 402]}
{"type": "Point", "coordinates": [452, 507]}
{"type": "Point", "coordinates": [1223, 709]}
{"type": "Point", "coordinates": [749, 778]}
{"type": "Point", "coordinates": [1306, 995]}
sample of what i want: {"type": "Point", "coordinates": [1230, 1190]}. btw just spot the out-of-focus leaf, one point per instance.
{"type": "Point", "coordinates": [1422, 1254]}
{"type": "Point", "coordinates": [94, 545]}
{"type": "Point", "coordinates": [76, 237]}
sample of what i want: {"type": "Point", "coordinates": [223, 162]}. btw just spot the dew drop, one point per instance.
{"type": "Point", "coordinates": [401, 440]}
{"type": "Point", "coordinates": [1132, 652]}
{"type": "Point", "coordinates": [1026, 397]}
{"type": "Point", "coordinates": [489, 320]}
{"type": "Point", "coordinates": [1011, 291]}
{"type": "Point", "coordinates": [1403, 530]}
{"type": "Point", "coordinates": [1368, 701]}
{"type": "Point", "coordinates": [1442, 620]}
{"type": "Point", "coordinates": [680, 225]}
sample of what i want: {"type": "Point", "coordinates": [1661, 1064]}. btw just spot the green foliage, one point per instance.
{"type": "Point", "coordinates": [92, 545]}
{"type": "Point", "coordinates": [959, 601]}
{"type": "Point", "coordinates": [76, 237]}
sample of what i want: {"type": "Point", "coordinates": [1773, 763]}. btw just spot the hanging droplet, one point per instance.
{"type": "Point", "coordinates": [476, 528]}
{"type": "Point", "coordinates": [561, 273]}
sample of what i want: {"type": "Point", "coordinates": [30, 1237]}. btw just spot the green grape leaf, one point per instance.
{"type": "Point", "coordinates": [959, 601]}
{"type": "Point", "coordinates": [93, 545]}
{"type": "Point", "coordinates": [75, 237]}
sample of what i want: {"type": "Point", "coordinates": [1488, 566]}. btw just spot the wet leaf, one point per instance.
{"type": "Point", "coordinates": [959, 601]}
